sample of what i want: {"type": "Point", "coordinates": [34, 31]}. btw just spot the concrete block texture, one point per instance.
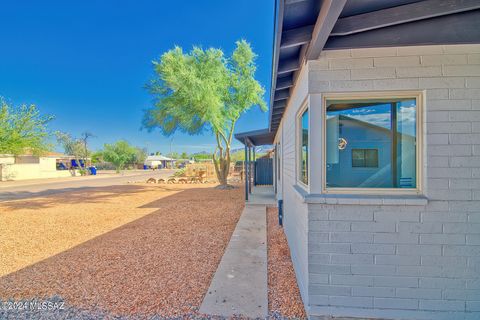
{"type": "Point", "coordinates": [390, 258]}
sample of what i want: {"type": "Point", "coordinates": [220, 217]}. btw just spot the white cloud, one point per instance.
{"type": "Point", "coordinates": [378, 119]}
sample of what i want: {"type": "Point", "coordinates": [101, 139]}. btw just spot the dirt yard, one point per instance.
{"type": "Point", "coordinates": [127, 250]}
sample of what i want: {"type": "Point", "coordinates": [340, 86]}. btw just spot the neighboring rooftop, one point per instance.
{"type": "Point", "coordinates": [158, 158]}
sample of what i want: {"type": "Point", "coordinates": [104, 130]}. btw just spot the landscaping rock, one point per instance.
{"type": "Point", "coordinates": [130, 252]}
{"type": "Point", "coordinates": [284, 297]}
{"type": "Point", "coordinates": [158, 264]}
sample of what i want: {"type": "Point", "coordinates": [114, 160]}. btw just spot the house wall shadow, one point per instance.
{"type": "Point", "coordinates": [164, 259]}
{"type": "Point", "coordinates": [51, 198]}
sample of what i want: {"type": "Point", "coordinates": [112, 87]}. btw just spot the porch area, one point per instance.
{"type": "Point", "coordinates": [259, 173]}
{"type": "Point", "coordinates": [262, 195]}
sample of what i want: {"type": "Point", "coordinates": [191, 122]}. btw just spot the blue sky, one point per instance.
{"type": "Point", "coordinates": [86, 62]}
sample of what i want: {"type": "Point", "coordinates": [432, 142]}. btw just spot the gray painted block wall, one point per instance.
{"type": "Point", "coordinates": [295, 210]}
{"type": "Point", "coordinates": [396, 259]}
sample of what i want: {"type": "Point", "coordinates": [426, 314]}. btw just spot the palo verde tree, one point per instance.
{"type": "Point", "coordinates": [204, 90]}
{"type": "Point", "coordinates": [23, 129]}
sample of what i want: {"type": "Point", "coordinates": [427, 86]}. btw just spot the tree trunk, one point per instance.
{"type": "Point", "coordinates": [222, 164]}
{"type": "Point", "coordinates": [222, 167]}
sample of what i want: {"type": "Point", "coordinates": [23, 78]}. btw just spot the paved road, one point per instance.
{"type": "Point", "coordinates": [13, 191]}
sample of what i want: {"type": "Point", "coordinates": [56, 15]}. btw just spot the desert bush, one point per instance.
{"type": "Point", "coordinates": [179, 173]}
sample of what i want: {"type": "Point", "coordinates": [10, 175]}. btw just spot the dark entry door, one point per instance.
{"type": "Point", "coordinates": [264, 171]}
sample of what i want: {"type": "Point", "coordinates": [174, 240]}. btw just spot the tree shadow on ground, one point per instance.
{"type": "Point", "coordinates": [159, 264]}
{"type": "Point", "coordinates": [78, 195]}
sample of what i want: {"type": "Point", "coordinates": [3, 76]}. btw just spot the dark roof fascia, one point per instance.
{"type": "Point", "coordinates": [277, 38]}
{"type": "Point", "coordinates": [427, 28]}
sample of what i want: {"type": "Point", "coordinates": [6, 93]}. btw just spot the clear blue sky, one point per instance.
{"type": "Point", "coordinates": [86, 62]}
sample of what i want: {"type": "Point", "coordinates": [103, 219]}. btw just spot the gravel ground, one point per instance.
{"type": "Point", "coordinates": [284, 301]}
{"type": "Point", "coordinates": [130, 252]}
{"type": "Point", "coordinates": [35, 229]}
{"type": "Point", "coordinates": [157, 263]}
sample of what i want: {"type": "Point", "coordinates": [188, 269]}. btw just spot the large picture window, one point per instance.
{"type": "Point", "coordinates": [372, 142]}
{"type": "Point", "coordinates": [304, 147]}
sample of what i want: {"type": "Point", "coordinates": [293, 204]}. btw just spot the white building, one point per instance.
{"type": "Point", "coordinates": [158, 161]}
{"type": "Point", "coordinates": [24, 167]}
{"type": "Point", "coordinates": [406, 246]}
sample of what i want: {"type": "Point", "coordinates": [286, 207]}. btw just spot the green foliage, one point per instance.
{"type": "Point", "coordinates": [201, 90]}
{"type": "Point", "coordinates": [140, 155]}
{"type": "Point", "coordinates": [71, 146]}
{"type": "Point", "coordinates": [203, 156]}
{"type": "Point", "coordinates": [240, 155]}
{"type": "Point", "coordinates": [179, 173]}
{"type": "Point", "coordinates": [119, 154]}
{"type": "Point", "coordinates": [184, 156]}
{"type": "Point", "coordinates": [97, 157]}
{"type": "Point", "coordinates": [23, 129]}
{"type": "Point", "coordinates": [75, 147]}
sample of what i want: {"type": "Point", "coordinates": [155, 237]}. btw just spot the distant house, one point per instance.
{"type": "Point", "coordinates": [375, 119]}
{"type": "Point", "coordinates": [23, 167]}
{"type": "Point", "coordinates": [158, 162]}
{"type": "Point", "coordinates": [366, 148]}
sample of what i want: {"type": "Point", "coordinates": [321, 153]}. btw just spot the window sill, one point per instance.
{"type": "Point", "coordinates": [362, 199]}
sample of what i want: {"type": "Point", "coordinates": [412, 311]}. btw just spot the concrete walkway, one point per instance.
{"type": "Point", "coordinates": [262, 195]}
{"type": "Point", "coordinates": [239, 286]}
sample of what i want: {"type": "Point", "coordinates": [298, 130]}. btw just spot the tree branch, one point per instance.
{"type": "Point", "coordinates": [219, 144]}
{"type": "Point", "coordinates": [215, 164]}
{"type": "Point", "coordinates": [223, 136]}
{"type": "Point", "coordinates": [232, 128]}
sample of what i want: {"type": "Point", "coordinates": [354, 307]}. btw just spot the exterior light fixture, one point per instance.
{"type": "Point", "coordinates": [342, 143]}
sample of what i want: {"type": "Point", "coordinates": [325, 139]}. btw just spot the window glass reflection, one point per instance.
{"type": "Point", "coordinates": [371, 143]}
